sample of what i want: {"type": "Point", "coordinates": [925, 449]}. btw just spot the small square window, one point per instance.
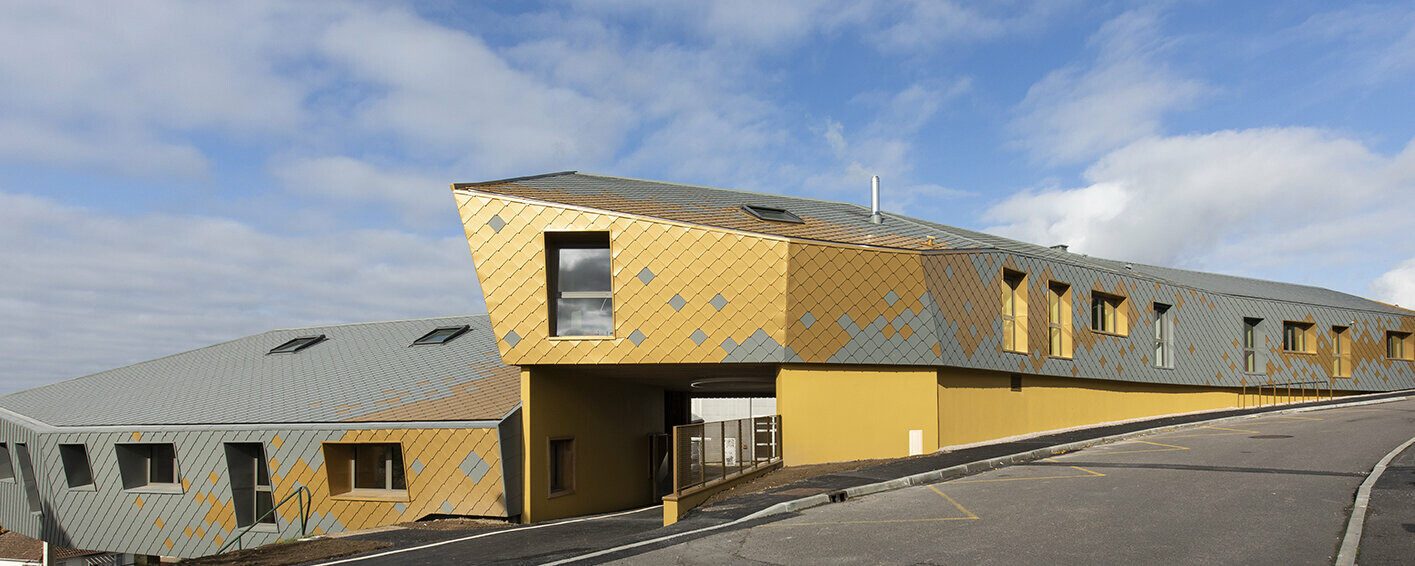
{"type": "Point", "coordinates": [441, 335]}
{"type": "Point", "coordinates": [1107, 314]}
{"type": "Point", "coordinates": [1399, 346]}
{"type": "Point", "coordinates": [297, 344]}
{"type": "Point", "coordinates": [1016, 382]}
{"type": "Point", "coordinates": [772, 214]}
{"type": "Point", "coordinates": [1297, 337]}
{"type": "Point", "coordinates": [77, 471]}
{"type": "Point", "coordinates": [561, 466]}
{"type": "Point", "coordinates": [148, 466]}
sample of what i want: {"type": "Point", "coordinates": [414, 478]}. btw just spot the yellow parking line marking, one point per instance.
{"type": "Point", "coordinates": [1167, 448]}
{"type": "Point", "coordinates": [1089, 474]}
{"type": "Point", "coordinates": [1295, 418]}
{"type": "Point", "coordinates": [1234, 431]}
{"type": "Point", "coordinates": [970, 517]}
{"type": "Point", "coordinates": [955, 503]}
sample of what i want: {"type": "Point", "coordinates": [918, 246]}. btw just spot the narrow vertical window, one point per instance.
{"type": "Point", "coordinates": [1340, 351]}
{"type": "Point", "coordinates": [1014, 311]}
{"type": "Point", "coordinates": [7, 470]}
{"type": "Point", "coordinates": [578, 274]}
{"type": "Point", "coordinates": [561, 466]}
{"type": "Point", "coordinates": [27, 477]}
{"type": "Point", "coordinates": [1059, 320]}
{"type": "Point", "coordinates": [1250, 344]}
{"type": "Point", "coordinates": [252, 497]}
{"type": "Point", "coordinates": [77, 471]}
{"type": "Point", "coordinates": [1164, 336]}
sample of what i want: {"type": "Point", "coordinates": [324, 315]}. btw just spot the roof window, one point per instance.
{"type": "Point", "coordinates": [297, 344]}
{"type": "Point", "coordinates": [441, 335]}
{"type": "Point", "coordinates": [772, 214]}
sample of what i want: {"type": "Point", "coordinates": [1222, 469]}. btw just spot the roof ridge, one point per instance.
{"type": "Point", "coordinates": [513, 179]}
{"type": "Point", "coordinates": [365, 323]}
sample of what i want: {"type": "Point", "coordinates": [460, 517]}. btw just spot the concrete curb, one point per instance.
{"type": "Point", "coordinates": [1351, 543]}
{"type": "Point", "coordinates": [971, 468]}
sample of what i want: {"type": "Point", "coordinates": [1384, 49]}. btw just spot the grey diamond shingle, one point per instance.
{"type": "Point", "coordinates": [718, 301]}
{"type": "Point", "coordinates": [808, 319]}
{"type": "Point", "coordinates": [496, 223]}
{"type": "Point", "coordinates": [512, 339]}
{"type": "Point", "coordinates": [699, 336]}
{"type": "Point", "coordinates": [677, 302]}
{"type": "Point", "coordinates": [891, 298]}
{"type": "Point", "coordinates": [645, 275]}
{"type": "Point", "coordinates": [636, 337]}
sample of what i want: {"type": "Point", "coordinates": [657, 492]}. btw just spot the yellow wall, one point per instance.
{"type": "Point", "coordinates": [610, 421]}
{"type": "Point", "coordinates": [831, 414]}
{"type": "Point", "coordinates": [974, 406]}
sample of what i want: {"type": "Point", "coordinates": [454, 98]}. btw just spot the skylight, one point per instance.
{"type": "Point", "coordinates": [772, 214]}
{"type": "Point", "coordinates": [441, 335]}
{"type": "Point", "coordinates": [297, 344]}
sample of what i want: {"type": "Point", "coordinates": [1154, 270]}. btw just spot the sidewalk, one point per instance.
{"type": "Point", "coordinates": [605, 537]}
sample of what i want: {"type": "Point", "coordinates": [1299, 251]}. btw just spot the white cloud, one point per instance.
{"type": "Point", "coordinates": [1075, 114]}
{"type": "Point", "coordinates": [1236, 201]}
{"type": "Point", "coordinates": [88, 291]}
{"type": "Point", "coordinates": [1397, 286]}
{"type": "Point", "coordinates": [419, 198]}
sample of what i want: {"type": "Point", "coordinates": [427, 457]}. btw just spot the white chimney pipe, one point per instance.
{"type": "Point", "coordinates": [875, 215]}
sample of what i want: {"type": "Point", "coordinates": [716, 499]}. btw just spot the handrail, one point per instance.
{"type": "Point", "coordinates": [304, 516]}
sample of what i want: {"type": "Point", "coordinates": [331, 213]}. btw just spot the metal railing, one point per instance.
{"type": "Point", "coordinates": [1276, 393]}
{"type": "Point", "coordinates": [705, 453]}
{"type": "Point", "coordinates": [301, 495]}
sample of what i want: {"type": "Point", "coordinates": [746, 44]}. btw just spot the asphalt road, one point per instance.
{"type": "Point", "coordinates": [1267, 490]}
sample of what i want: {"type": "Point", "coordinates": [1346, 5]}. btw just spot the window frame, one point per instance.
{"type": "Point", "coordinates": [1341, 351]}
{"type": "Point", "coordinates": [555, 241]}
{"type": "Point", "coordinates": [1297, 337]}
{"type": "Point", "coordinates": [1399, 346]}
{"type": "Point", "coordinates": [146, 452]}
{"type": "Point", "coordinates": [1108, 307]}
{"type": "Point", "coordinates": [1163, 335]}
{"type": "Point", "coordinates": [342, 465]}
{"type": "Point", "coordinates": [297, 344]}
{"type": "Point", "coordinates": [1249, 341]}
{"type": "Point", "coordinates": [1014, 311]}
{"type": "Point", "coordinates": [772, 214]}
{"type": "Point", "coordinates": [29, 480]}
{"type": "Point", "coordinates": [258, 490]}
{"type": "Point", "coordinates": [455, 332]}
{"type": "Point", "coordinates": [1060, 328]}
{"type": "Point", "coordinates": [68, 459]}
{"type": "Point", "coordinates": [567, 466]}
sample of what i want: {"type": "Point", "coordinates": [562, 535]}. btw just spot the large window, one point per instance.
{"type": "Point", "coordinates": [1250, 344]}
{"type": "Point", "coordinates": [561, 466]}
{"type": "Point", "coordinates": [581, 298]}
{"type": "Point", "coordinates": [1107, 314]}
{"type": "Point", "coordinates": [1340, 351]}
{"type": "Point", "coordinates": [1398, 345]}
{"type": "Point", "coordinates": [1297, 337]}
{"type": "Point", "coordinates": [373, 469]}
{"type": "Point", "coordinates": [77, 471]}
{"type": "Point", "coordinates": [1164, 336]}
{"type": "Point", "coordinates": [251, 494]}
{"type": "Point", "coordinates": [1059, 336]}
{"type": "Point", "coordinates": [1014, 311]}
{"type": "Point", "coordinates": [148, 466]}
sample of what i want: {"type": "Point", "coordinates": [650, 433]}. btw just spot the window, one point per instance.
{"type": "Point", "coordinates": [366, 469]}
{"type": "Point", "coordinates": [581, 300]}
{"type": "Point", "coordinates": [251, 495]}
{"type": "Point", "coordinates": [296, 344]}
{"type": "Point", "coordinates": [1398, 345]}
{"type": "Point", "coordinates": [7, 470]}
{"type": "Point", "coordinates": [1059, 320]}
{"type": "Point", "coordinates": [772, 214]}
{"type": "Point", "coordinates": [148, 466]}
{"type": "Point", "coordinates": [441, 335]}
{"type": "Point", "coordinates": [1016, 382]}
{"type": "Point", "coordinates": [1297, 337]}
{"type": "Point", "coordinates": [1014, 311]}
{"type": "Point", "coordinates": [1164, 336]}
{"type": "Point", "coordinates": [1250, 344]}
{"type": "Point", "coordinates": [27, 478]}
{"type": "Point", "coordinates": [1106, 314]}
{"type": "Point", "coordinates": [1340, 351]}
{"type": "Point", "coordinates": [561, 466]}
{"type": "Point", "coordinates": [77, 471]}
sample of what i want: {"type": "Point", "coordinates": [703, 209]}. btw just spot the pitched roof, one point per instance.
{"type": "Point", "coordinates": [360, 372]}
{"type": "Point", "coordinates": [850, 224]}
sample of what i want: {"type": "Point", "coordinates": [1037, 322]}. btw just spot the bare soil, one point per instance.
{"type": "Point", "coordinates": [288, 553]}
{"type": "Point", "coordinates": [788, 475]}
{"type": "Point", "coordinates": [455, 524]}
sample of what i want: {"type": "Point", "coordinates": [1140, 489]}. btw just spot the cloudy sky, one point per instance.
{"type": "Point", "coordinates": [173, 175]}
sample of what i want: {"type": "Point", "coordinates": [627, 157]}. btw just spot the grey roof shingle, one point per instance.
{"type": "Point", "coordinates": [359, 370]}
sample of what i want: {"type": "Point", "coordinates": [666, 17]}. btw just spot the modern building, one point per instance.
{"type": "Point", "coordinates": [612, 304]}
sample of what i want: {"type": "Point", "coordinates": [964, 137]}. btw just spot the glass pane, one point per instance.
{"type": "Point", "coordinates": [584, 269]}
{"type": "Point", "coordinates": [262, 477]}
{"type": "Point", "coordinates": [163, 464]}
{"type": "Point", "coordinates": [369, 468]}
{"type": "Point", "coordinates": [396, 461]}
{"type": "Point", "coordinates": [263, 502]}
{"type": "Point", "coordinates": [584, 317]}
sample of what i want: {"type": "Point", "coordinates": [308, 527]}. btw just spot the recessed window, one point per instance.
{"type": "Point", "coordinates": [1297, 337]}
{"type": "Point", "coordinates": [1398, 345]}
{"type": "Point", "coordinates": [441, 335]}
{"type": "Point", "coordinates": [1014, 311]}
{"type": "Point", "coordinates": [1340, 351]}
{"type": "Point", "coordinates": [251, 495]}
{"type": "Point", "coordinates": [372, 469]}
{"type": "Point", "coordinates": [581, 299]}
{"type": "Point", "coordinates": [1164, 336]}
{"type": "Point", "coordinates": [1016, 382]}
{"type": "Point", "coordinates": [1250, 344]}
{"type": "Point", "coordinates": [1106, 313]}
{"type": "Point", "coordinates": [1059, 338]}
{"type": "Point", "coordinates": [7, 470]}
{"type": "Point", "coordinates": [297, 344]}
{"type": "Point", "coordinates": [561, 466]}
{"type": "Point", "coordinates": [27, 477]}
{"type": "Point", "coordinates": [148, 466]}
{"type": "Point", "coordinates": [77, 471]}
{"type": "Point", "coordinates": [772, 214]}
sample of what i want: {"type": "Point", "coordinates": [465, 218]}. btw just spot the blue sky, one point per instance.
{"type": "Point", "coordinates": [174, 174]}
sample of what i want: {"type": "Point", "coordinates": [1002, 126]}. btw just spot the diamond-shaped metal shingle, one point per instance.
{"type": "Point", "coordinates": [808, 319]}
{"type": "Point", "coordinates": [512, 338]}
{"type": "Point", "coordinates": [645, 275]}
{"type": "Point", "coordinates": [718, 301]}
{"type": "Point", "coordinates": [699, 336]}
{"type": "Point", "coordinates": [891, 298]}
{"type": "Point", "coordinates": [496, 223]}
{"type": "Point", "coordinates": [636, 337]}
{"type": "Point", "coordinates": [677, 302]}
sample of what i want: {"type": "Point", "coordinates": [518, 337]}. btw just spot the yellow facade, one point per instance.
{"type": "Point", "coordinates": [830, 414]}
{"type": "Point", "coordinates": [610, 421]}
